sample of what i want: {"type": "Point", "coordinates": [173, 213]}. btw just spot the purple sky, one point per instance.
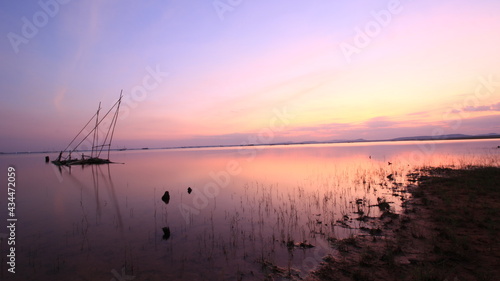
{"type": "Point", "coordinates": [233, 72]}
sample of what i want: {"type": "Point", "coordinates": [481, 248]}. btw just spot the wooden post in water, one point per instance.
{"type": "Point", "coordinates": [95, 139]}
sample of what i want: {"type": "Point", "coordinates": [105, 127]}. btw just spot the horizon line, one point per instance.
{"type": "Point", "coordinates": [398, 139]}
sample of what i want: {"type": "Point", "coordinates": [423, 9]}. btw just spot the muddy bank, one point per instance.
{"type": "Point", "coordinates": [448, 230]}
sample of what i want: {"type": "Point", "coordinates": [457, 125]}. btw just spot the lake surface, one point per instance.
{"type": "Point", "coordinates": [248, 211]}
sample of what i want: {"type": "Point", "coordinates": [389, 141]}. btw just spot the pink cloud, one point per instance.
{"type": "Point", "coordinates": [493, 107]}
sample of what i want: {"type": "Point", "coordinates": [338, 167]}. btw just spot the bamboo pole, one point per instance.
{"type": "Point", "coordinates": [95, 131]}
{"type": "Point", "coordinates": [115, 117]}
{"type": "Point", "coordinates": [98, 122]}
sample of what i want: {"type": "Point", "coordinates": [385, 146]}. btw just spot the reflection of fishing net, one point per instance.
{"type": "Point", "coordinates": [101, 125]}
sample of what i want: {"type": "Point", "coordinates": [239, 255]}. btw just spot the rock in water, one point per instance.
{"type": "Point", "coordinates": [190, 190]}
{"type": "Point", "coordinates": [166, 233]}
{"type": "Point", "coordinates": [166, 197]}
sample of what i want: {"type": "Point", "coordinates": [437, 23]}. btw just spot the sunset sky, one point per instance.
{"type": "Point", "coordinates": [236, 71]}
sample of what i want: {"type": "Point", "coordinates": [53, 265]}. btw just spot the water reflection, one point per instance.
{"type": "Point", "coordinates": [166, 233]}
{"type": "Point", "coordinates": [240, 214]}
{"type": "Point", "coordinates": [101, 178]}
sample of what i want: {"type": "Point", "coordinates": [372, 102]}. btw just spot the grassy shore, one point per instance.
{"type": "Point", "coordinates": [449, 230]}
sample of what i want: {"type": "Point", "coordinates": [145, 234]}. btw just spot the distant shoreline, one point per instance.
{"type": "Point", "coordinates": [402, 139]}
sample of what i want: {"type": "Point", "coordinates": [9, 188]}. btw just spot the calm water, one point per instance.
{"type": "Point", "coordinates": [109, 222]}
